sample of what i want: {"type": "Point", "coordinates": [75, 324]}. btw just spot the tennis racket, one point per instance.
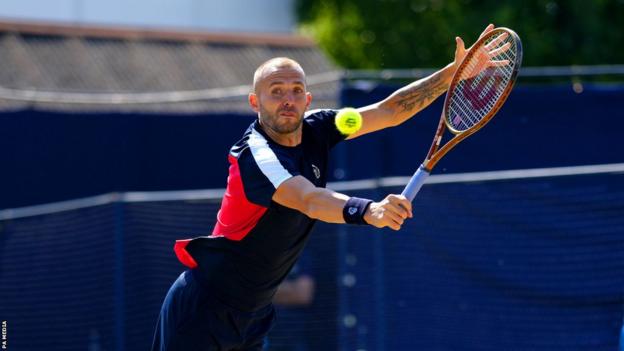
{"type": "Point", "coordinates": [477, 91]}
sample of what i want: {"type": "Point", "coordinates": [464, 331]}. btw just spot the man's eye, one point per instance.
{"type": "Point", "coordinates": [276, 91]}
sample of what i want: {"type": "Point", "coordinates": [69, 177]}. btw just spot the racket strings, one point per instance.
{"type": "Point", "coordinates": [476, 94]}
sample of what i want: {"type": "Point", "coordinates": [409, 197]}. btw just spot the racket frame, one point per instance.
{"type": "Point", "coordinates": [434, 155]}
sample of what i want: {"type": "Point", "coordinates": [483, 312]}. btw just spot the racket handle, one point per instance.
{"type": "Point", "coordinates": [414, 185]}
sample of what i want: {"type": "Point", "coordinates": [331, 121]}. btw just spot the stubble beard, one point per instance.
{"type": "Point", "coordinates": [271, 121]}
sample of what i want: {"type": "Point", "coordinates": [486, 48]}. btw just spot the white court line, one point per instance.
{"type": "Point", "coordinates": [216, 194]}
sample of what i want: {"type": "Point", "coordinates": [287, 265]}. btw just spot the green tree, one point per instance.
{"type": "Point", "coordinates": [376, 34]}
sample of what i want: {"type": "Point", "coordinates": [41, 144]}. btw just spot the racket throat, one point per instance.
{"type": "Point", "coordinates": [426, 166]}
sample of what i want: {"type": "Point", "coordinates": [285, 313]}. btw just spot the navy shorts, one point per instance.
{"type": "Point", "coordinates": [192, 320]}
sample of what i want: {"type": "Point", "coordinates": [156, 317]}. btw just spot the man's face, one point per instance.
{"type": "Point", "coordinates": [281, 99]}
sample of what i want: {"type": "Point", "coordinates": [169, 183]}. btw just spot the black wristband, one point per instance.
{"type": "Point", "coordinates": [354, 210]}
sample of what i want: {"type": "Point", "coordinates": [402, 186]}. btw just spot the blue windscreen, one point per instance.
{"type": "Point", "coordinates": [524, 264]}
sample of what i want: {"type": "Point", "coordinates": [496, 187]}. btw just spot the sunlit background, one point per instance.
{"type": "Point", "coordinates": [116, 119]}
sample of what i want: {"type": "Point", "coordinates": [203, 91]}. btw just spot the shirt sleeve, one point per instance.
{"type": "Point", "coordinates": [261, 171]}
{"type": "Point", "coordinates": [324, 122]}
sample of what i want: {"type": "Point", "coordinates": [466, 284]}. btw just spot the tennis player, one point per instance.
{"type": "Point", "coordinates": [275, 193]}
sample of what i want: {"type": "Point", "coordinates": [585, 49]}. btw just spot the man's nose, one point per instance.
{"type": "Point", "coordinates": [289, 99]}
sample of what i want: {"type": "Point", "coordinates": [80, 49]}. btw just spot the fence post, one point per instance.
{"type": "Point", "coordinates": [119, 276]}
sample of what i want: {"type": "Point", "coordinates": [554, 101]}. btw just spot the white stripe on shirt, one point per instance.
{"type": "Point", "coordinates": [266, 159]}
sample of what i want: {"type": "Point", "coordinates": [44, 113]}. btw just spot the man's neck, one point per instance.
{"type": "Point", "coordinates": [290, 139]}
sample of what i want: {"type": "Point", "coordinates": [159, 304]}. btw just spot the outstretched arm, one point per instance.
{"type": "Point", "coordinates": [327, 205]}
{"type": "Point", "coordinates": [409, 100]}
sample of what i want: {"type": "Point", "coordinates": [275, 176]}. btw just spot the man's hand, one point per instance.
{"type": "Point", "coordinates": [460, 49]}
{"type": "Point", "coordinates": [484, 56]}
{"type": "Point", "coordinates": [389, 212]}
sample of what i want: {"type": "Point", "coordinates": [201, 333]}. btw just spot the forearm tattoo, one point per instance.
{"type": "Point", "coordinates": [420, 94]}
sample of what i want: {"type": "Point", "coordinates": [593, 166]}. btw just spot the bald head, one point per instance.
{"type": "Point", "coordinates": [273, 65]}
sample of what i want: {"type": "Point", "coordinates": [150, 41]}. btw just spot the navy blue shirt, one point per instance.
{"type": "Point", "coordinates": [256, 241]}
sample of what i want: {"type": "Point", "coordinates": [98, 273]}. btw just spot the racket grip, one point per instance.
{"type": "Point", "coordinates": [414, 185]}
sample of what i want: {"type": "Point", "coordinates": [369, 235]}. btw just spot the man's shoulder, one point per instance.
{"type": "Point", "coordinates": [243, 143]}
{"type": "Point", "coordinates": [255, 148]}
{"type": "Point", "coordinates": [320, 114]}
{"type": "Point", "coordinates": [319, 119]}
{"type": "Point", "coordinates": [320, 124]}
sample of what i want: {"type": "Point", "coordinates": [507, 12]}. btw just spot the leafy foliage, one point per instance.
{"type": "Point", "coordinates": [377, 34]}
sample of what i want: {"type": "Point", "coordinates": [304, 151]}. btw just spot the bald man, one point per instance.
{"type": "Point", "coordinates": [275, 193]}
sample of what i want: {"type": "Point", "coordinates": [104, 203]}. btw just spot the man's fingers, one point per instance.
{"type": "Point", "coordinates": [396, 208]}
{"type": "Point", "coordinates": [500, 50]}
{"type": "Point", "coordinates": [459, 45]}
{"type": "Point", "coordinates": [486, 30]}
{"type": "Point", "coordinates": [393, 216]}
{"type": "Point", "coordinates": [499, 63]}
{"type": "Point", "coordinates": [398, 211]}
{"type": "Point", "coordinates": [499, 39]}
{"type": "Point", "coordinates": [395, 223]}
{"type": "Point", "coordinates": [403, 205]}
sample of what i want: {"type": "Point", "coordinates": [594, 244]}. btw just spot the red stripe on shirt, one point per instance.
{"type": "Point", "coordinates": [237, 216]}
{"type": "Point", "coordinates": [183, 255]}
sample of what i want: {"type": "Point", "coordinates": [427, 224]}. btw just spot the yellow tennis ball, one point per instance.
{"type": "Point", "coordinates": [348, 121]}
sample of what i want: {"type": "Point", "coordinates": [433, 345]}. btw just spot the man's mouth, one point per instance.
{"type": "Point", "coordinates": [288, 114]}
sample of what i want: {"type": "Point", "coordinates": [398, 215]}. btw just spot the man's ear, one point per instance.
{"type": "Point", "coordinates": [253, 102]}
{"type": "Point", "coordinates": [308, 99]}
